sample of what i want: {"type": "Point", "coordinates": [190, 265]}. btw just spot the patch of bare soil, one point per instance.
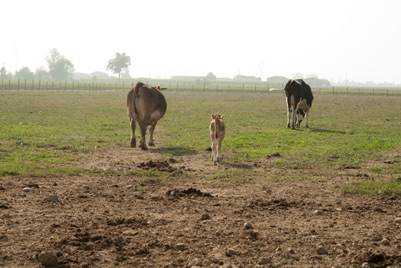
{"type": "Point", "coordinates": [120, 221]}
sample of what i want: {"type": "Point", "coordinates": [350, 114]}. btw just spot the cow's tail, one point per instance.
{"type": "Point", "coordinates": [132, 95]}
{"type": "Point", "coordinates": [130, 104]}
{"type": "Point", "coordinates": [218, 127]}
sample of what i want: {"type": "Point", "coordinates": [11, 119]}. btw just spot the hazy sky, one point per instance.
{"type": "Point", "coordinates": [333, 39]}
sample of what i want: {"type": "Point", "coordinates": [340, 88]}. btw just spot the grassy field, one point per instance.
{"type": "Point", "coordinates": [41, 133]}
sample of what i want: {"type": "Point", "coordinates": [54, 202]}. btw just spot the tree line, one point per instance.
{"type": "Point", "coordinates": [62, 69]}
{"type": "Point", "coordinates": [59, 68]}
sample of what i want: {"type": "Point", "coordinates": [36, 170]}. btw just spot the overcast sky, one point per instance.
{"type": "Point", "coordinates": [333, 39]}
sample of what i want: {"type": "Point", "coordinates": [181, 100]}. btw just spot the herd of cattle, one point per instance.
{"type": "Point", "coordinates": [146, 105]}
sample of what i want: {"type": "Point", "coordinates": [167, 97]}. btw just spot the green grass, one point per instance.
{"type": "Point", "coordinates": [392, 187]}
{"type": "Point", "coordinates": [255, 126]}
{"type": "Point", "coordinates": [42, 133]}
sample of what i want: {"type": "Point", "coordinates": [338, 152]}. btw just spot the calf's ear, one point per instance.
{"type": "Point", "coordinates": [221, 116]}
{"type": "Point", "coordinates": [213, 116]}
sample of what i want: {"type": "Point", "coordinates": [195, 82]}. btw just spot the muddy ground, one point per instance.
{"type": "Point", "coordinates": [127, 221]}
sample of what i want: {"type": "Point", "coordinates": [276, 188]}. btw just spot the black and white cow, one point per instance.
{"type": "Point", "coordinates": [299, 99]}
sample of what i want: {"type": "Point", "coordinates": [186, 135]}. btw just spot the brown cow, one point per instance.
{"type": "Point", "coordinates": [217, 133]}
{"type": "Point", "coordinates": [145, 105]}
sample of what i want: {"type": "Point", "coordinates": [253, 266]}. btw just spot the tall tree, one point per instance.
{"type": "Point", "coordinates": [119, 63]}
{"type": "Point", "coordinates": [25, 74]}
{"type": "Point", "coordinates": [3, 73]}
{"type": "Point", "coordinates": [41, 74]}
{"type": "Point", "coordinates": [210, 76]}
{"type": "Point", "coordinates": [60, 68]}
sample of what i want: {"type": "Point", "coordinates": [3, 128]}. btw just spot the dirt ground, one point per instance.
{"type": "Point", "coordinates": [126, 221]}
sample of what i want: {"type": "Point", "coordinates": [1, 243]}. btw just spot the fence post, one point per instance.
{"type": "Point", "coordinates": [33, 84]}
{"type": "Point", "coordinates": [333, 90]}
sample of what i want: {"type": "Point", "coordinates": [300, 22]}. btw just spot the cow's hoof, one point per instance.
{"type": "Point", "coordinates": [151, 144]}
{"type": "Point", "coordinates": [143, 145]}
{"type": "Point", "coordinates": [133, 144]}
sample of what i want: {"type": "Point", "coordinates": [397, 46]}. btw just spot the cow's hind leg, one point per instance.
{"type": "Point", "coordinates": [294, 119]}
{"type": "Point", "coordinates": [133, 139]}
{"type": "Point", "coordinates": [152, 130]}
{"type": "Point", "coordinates": [143, 126]}
{"type": "Point", "coordinates": [288, 118]}
{"type": "Point", "coordinates": [214, 152]}
{"type": "Point", "coordinates": [307, 118]}
{"type": "Point", "coordinates": [288, 111]}
{"type": "Point", "coordinates": [220, 144]}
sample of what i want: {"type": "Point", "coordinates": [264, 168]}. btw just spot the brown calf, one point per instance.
{"type": "Point", "coordinates": [217, 133]}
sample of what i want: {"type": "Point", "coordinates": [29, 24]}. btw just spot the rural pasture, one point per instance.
{"type": "Point", "coordinates": [327, 196]}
